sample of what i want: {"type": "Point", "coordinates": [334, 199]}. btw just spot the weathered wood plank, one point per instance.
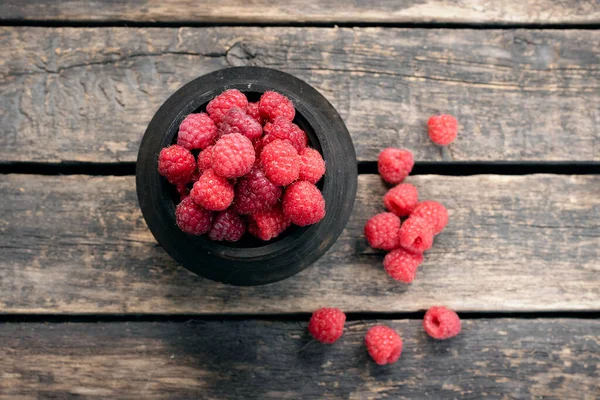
{"type": "Point", "coordinates": [298, 11]}
{"type": "Point", "coordinates": [556, 358]}
{"type": "Point", "coordinates": [73, 94]}
{"type": "Point", "coordinates": [78, 244]}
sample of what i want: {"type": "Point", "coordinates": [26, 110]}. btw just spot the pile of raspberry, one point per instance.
{"type": "Point", "coordinates": [244, 167]}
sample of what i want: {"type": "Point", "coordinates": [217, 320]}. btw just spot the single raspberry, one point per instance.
{"type": "Point", "coordinates": [205, 159]}
{"type": "Point", "coordinates": [281, 128]}
{"type": "Point", "coordinates": [402, 264]}
{"type": "Point", "coordinates": [434, 213]}
{"type": "Point", "coordinates": [327, 325]}
{"type": "Point", "coordinates": [253, 111]}
{"type": "Point", "coordinates": [280, 162]}
{"type": "Point", "coordinates": [233, 156]}
{"type": "Point", "coordinates": [442, 129]}
{"type": "Point", "coordinates": [312, 166]}
{"type": "Point", "coordinates": [383, 231]}
{"type": "Point", "coordinates": [182, 190]}
{"type": "Point", "coordinates": [273, 105]}
{"type": "Point", "coordinates": [416, 235]}
{"type": "Point", "coordinates": [212, 191]}
{"type": "Point", "coordinates": [236, 121]}
{"type": "Point", "coordinates": [303, 203]}
{"type": "Point", "coordinates": [176, 163]}
{"type": "Point", "coordinates": [401, 199]}
{"type": "Point", "coordinates": [192, 218]}
{"type": "Point", "coordinates": [254, 192]}
{"type": "Point", "coordinates": [394, 165]}
{"type": "Point", "coordinates": [441, 323]}
{"type": "Point", "coordinates": [197, 131]}
{"type": "Point", "coordinates": [384, 344]}
{"type": "Point", "coordinates": [267, 225]}
{"type": "Point", "coordinates": [227, 226]}
{"type": "Point", "coordinates": [218, 107]}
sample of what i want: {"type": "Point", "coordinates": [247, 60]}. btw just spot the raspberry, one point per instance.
{"type": "Point", "coordinates": [312, 166]}
{"type": "Point", "coordinates": [233, 156]}
{"type": "Point", "coordinates": [442, 129]}
{"type": "Point", "coordinates": [236, 121]}
{"type": "Point", "coordinates": [253, 111]}
{"type": "Point", "coordinates": [228, 226]}
{"type": "Point", "coordinates": [416, 235]}
{"type": "Point", "coordinates": [401, 199]}
{"type": "Point", "coordinates": [434, 213]}
{"type": "Point", "coordinates": [192, 218]}
{"type": "Point", "coordinates": [281, 128]}
{"type": "Point", "coordinates": [327, 325]}
{"type": "Point", "coordinates": [303, 203]}
{"type": "Point", "coordinates": [267, 225]}
{"type": "Point", "coordinates": [254, 192]}
{"type": "Point", "coordinates": [402, 264]}
{"type": "Point", "coordinates": [394, 165]}
{"type": "Point", "coordinates": [218, 107]}
{"type": "Point", "coordinates": [205, 159]}
{"type": "Point", "coordinates": [383, 231]}
{"type": "Point", "coordinates": [273, 105]}
{"type": "Point", "coordinates": [267, 128]}
{"type": "Point", "coordinates": [176, 163]}
{"type": "Point", "coordinates": [280, 162]}
{"type": "Point", "coordinates": [212, 191]}
{"type": "Point", "coordinates": [384, 344]}
{"type": "Point", "coordinates": [197, 131]}
{"type": "Point", "coordinates": [182, 190]}
{"type": "Point", "coordinates": [441, 323]}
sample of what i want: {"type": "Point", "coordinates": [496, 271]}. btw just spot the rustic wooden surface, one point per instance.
{"type": "Point", "coordinates": [87, 94]}
{"type": "Point", "coordinates": [313, 11]}
{"type": "Point", "coordinates": [552, 358]}
{"type": "Point", "coordinates": [78, 244]}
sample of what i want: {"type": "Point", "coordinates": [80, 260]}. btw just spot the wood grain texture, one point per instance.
{"type": "Point", "coordinates": [503, 358]}
{"type": "Point", "coordinates": [87, 94]}
{"type": "Point", "coordinates": [78, 244]}
{"type": "Point", "coordinates": [298, 11]}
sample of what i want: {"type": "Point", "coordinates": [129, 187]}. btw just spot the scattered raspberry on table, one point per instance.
{"type": "Point", "coordinates": [383, 231]}
{"type": "Point", "coordinates": [442, 129]}
{"type": "Point", "coordinates": [402, 264]}
{"type": "Point", "coordinates": [394, 165]}
{"type": "Point", "coordinates": [327, 325]}
{"type": "Point", "coordinates": [401, 199]}
{"type": "Point", "coordinates": [384, 344]}
{"type": "Point", "coordinates": [441, 323]}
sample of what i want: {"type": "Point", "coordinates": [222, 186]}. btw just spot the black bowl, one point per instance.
{"type": "Point", "coordinates": [250, 261]}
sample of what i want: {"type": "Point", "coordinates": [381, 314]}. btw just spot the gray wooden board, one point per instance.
{"type": "Point", "coordinates": [78, 244]}
{"type": "Point", "coordinates": [299, 11]}
{"type": "Point", "coordinates": [87, 94]}
{"type": "Point", "coordinates": [499, 358]}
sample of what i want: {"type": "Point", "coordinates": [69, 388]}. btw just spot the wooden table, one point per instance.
{"type": "Point", "coordinates": [92, 307]}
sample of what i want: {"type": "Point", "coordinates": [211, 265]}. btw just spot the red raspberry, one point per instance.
{"type": "Point", "coordinates": [228, 226]}
{"type": "Point", "coordinates": [205, 159]}
{"type": "Point", "coordinates": [383, 231]}
{"type": "Point", "coordinates": [402, 264]}
{"type": "Point", "coordinates": [384, 344]}
{"type": "Point", "coordinates": [281, 128]}
{"type": "Point", "coordinates": [441, 323]}
{"type": "Point", "coordinates": [303, 203]}
{"type": "Point", "coordinates": [192, 218]}
{"type": "Point", "coordinates": [442, 129]}
{"type": "Point", "coordinates": [280, 162]}
{"type": "Point", "coordinates": [267, 128]}
{"type": "Point", "coordinates": [218, 107]}
{"type": "Point", "coordinates": [177, 164]}
{"type": "Point", "coordinates": [253, 111]}
{"type": "Point", "coordinates": [394, 165]}
{"type": "Point", "coordinates": [416, 235]}
{"type": "Point", "coordinates": [327, 325]}
{"type": "Point", "coordinates": [197, 131]}
{"type": "Point", "coordinates": [312, 166]}
{"type": "Point", "coordinates": [401, 199]}
{"type": "Point", "coordinates": [212, 191]}
{"type": "Point", "coordinates": [233, 156]}
{"type": "Point", "coordinates": [236, 121]}
{"type": "Point", "coordinates": [267, 225]}
{"type": "Point", "coordinates": [254, 192]}
{"type": "Point", "coordinates": [434, 213]}
{"type": "Point", "coordinates": [273, 105]}
{"type": "Point", "coordinates": [182, 190]}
